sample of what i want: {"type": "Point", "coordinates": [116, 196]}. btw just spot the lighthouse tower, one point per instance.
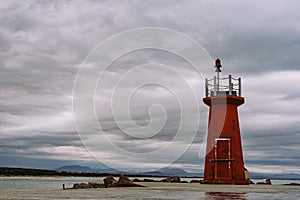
{"type": "Point", "coordinates": [224, 157]}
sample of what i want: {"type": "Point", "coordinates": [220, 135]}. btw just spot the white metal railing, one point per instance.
{"type": "Point", "coordinates": [223, 86]}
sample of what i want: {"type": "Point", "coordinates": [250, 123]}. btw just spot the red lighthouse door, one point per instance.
{"type": "Point", "coordinates": [223, 169]}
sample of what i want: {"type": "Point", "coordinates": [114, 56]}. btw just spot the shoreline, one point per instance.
{"type": "Point", "coordinates": [159, 191]}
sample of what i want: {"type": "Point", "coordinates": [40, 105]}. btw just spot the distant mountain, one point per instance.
{"type": "Point", "coordinates": [75, 168]}
{"type": "Point", "coordinates": [79, 168]}
{"type": "Point", "coordinates": [108, 171]}
{"type": "Point", "coordinates": [274, 176]}
{"type": "Point", "coordinates": [9, 171]}
{"type": "Point", "coordinates": [172, 172]}
{"type": "Point", "coordinates": [168, 172]}
{"type": "Point", "coordinates": [160, 172]}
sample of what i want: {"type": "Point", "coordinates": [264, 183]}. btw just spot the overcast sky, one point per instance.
{"type": "Point", "coordinates": [43, 43]}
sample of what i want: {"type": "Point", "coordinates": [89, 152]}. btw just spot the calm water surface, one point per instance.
{"type": "Point", "coordinates": [48, 183]}
{"type": "Point", "coordinates": [45, 183]}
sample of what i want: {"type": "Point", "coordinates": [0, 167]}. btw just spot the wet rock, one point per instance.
{"type": "Point", "coordinates": [144, 180]}
{"type": "Point", "coordinates": [149, 180]}
{"type": "Point", "coordinates": [110, 181]}
{"type": "Point", "coordinates": [294, 184]}
{"type": "Point", "coordinates": [171, 179]}
{"type": "Point", "coordinates": [268, 182]}
{"type": "Point", "coordinates": [247, 175]}
{"type": "Point", "coordinates": [95, 185]}
{"type": "Point", "coordinates": [80, 186]}
{"type": "Point", "coordinates": [124, 181]}
{"type": "Point", "coordinates": [195, 181]}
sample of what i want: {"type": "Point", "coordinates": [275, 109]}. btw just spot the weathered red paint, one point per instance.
{"type": "Point", "coordinates": [224, 157]}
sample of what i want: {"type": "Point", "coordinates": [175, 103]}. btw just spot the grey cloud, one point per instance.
{"type": "Point", "coordinates": [42, 44]}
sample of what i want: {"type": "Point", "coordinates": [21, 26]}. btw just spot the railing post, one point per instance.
{"type": "Point", "coordinates": [230, 85]}
{"type": "Point", "coordinates": [215, 86]}
{"type": "Point", "coordinates": [240, 87]}
{"type": "Point", "coordinates": [206, 88]}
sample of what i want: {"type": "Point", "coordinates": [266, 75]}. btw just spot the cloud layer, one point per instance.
{"type": "Point", "coordinates": [42, 44]}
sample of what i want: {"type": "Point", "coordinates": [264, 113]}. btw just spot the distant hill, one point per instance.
{"type": "Point", "coordinates": [275, 176]}
{"type": "Point", "coordinates": [75, 168]}
{"type": "Point", "coordinates": [160, 172]}
{"type": "Point", "coordinates": [173, 172]}
{"type": "Point", "coordinates": [78, 170]}
{"type": "Point", "coordinates": [8, 171]}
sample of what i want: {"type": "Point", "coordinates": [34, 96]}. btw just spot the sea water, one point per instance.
{"type": "Point", "coordinates": [54, 183]}
{"type": "Point", "coordinates": [45, 183]}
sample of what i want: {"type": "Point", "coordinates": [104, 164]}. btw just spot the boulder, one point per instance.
{"type": "Point", "coordinates": [195, 181]}
{"type": "Point", "coordinates": [80, 186]}
{"type": "Point", "coordinates": [124, 181]}
{"type": "Point", "coordinates": [268, 182]}
{"type": "Point", "coordinates": [171, 179]}
{"type": "Point", "coordinates": [95, 185]}
{"type": "Point", "coordinates": [184, 182]}
{"type": "Point", "coordinates": [110, 181]}
{"type": "Point", "coordinates": [149, 180]}
{"type": "Point", "coordinates": [144, 180]}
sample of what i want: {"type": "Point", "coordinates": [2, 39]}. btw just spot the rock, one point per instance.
{"type": "Point", "coordinates": [268, 182]}
{"type": "Point", "coordinates": [247, 175]}
{"type": "Point", "coordinates": [95, 185]}
{"type": "Point", "coordinates": [171, 179]}
{"type": "Point", "coordinates": [124, 181]}
{"type": "Point", "coordinates": [144, 180]}
{"type": "Point", "coordinates": [110, 181]}
{"type": "Point", "coordinates": [184, 182]}
{"type": "Point", "coordinates": [294, 184]}
{"type": "Point", "coordinates": [149, 180]}
{"type": "Point", "coordinates": [195, 181]}
{"type": "Point", "coordinates": [80, 186]}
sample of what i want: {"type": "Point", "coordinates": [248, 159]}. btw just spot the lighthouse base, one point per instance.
{"type": "Point", "coordinates": [229, 182]}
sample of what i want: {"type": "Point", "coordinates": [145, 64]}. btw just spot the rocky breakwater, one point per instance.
{"type": "Point", "coordinates": [109, 182]}
{"type": "Point", "coordinates": [172, 179]}
{"type": "Point", "coordinates": [169, 179]}
{"type": "Point", "coordinates": [267, 182]}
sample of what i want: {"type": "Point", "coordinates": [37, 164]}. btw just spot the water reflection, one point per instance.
{"type": "Point", "coordinates": [224, 195]}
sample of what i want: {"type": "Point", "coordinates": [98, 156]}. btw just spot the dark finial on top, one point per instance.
{"type": "Point", "coordinates": [218, 65]}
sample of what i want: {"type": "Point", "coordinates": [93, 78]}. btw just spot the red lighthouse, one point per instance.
{"type": "Point", "coordinates": [224, 157]}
